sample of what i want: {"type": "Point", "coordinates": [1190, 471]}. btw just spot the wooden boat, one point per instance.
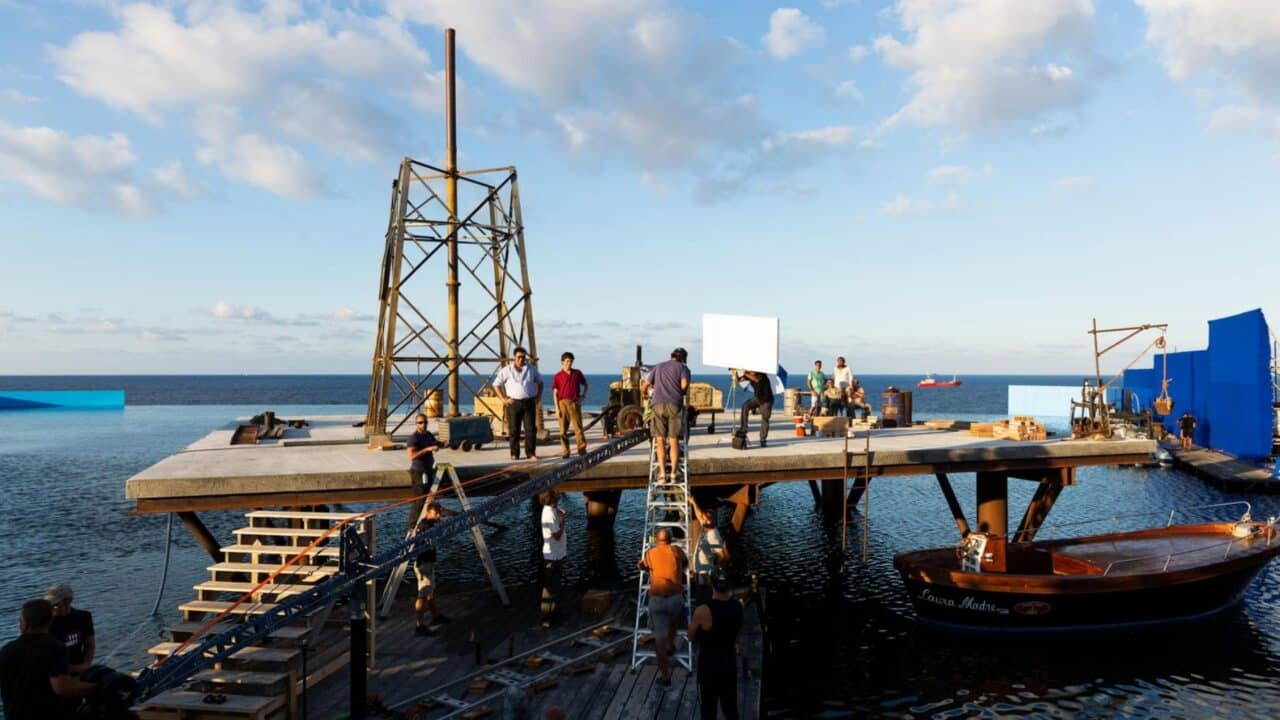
{"type": "Point", "coordinates": [1100, 582]}
{"type": "Point", "coordinates": [930, 382]}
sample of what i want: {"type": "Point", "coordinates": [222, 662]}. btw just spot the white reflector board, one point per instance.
{"type": "Point", "coordinates": [745, 342]}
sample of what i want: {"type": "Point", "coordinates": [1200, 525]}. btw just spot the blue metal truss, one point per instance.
{"type": "Point", "coordinates": [356, 566]}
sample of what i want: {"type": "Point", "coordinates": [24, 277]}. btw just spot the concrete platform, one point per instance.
{"type": "Point", "coordinates": [328, 462]}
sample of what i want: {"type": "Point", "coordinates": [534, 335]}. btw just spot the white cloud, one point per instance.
{"type": "Point", "coordinates": [791, 32]}
{"type": "Point", "coordinates": [13, 96]}
{"type": "Point", "coordinates": [1235, 40]}
{"type": "Point", "coordinates": [1074, 182]}
{"type": "Point", "coordinates": [89, 170]}
{"type": "Point", "coordinates": [267, 164]}
{"type": "Point", "coordinates": [224, 311]}
{"type": "Point", "coordinates": [902, 206]}
{"type": "Point", "coordinates": [978, 64]}
{"type": "Point", "coordinates": [173, 178]}
{"type": "Point", "coordinates": [957, 173]}
{"type": "Point", "coordinates": [301, 78]}
{"type": "Point", "coordinates": [849, 90]}
{"type": "Point", "coordinates": [1234, 117]}
{"type": "Point", "coordinates": [858, 53]}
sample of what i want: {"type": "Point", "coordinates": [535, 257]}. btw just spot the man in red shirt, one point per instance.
{"type": "Point", "coordinates": [568, 388]}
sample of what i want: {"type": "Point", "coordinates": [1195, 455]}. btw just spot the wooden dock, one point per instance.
{"type": "Point", "coordinates": [1224, 471]}
{"type": "Point", "coordinates": [328, 462]}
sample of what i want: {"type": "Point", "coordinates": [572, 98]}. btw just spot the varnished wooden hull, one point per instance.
{"type": "Point", "coordinates": [1195, 587]}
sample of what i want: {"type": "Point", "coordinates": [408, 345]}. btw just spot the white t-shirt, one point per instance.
{"type": "Point", "coordinates": [552, 549]}
{"type": "Point", "coordinates": [843, 377]}
{"type": "Point", "coordinates": [704, 558]}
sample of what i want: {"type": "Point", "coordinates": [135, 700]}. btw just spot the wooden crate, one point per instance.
{"type": "Point", "coordinates": [830, 425]}
{"type": "Point", "coordinates": [939, 424]}
{"type": "Point", "coordinates": [981, 429]}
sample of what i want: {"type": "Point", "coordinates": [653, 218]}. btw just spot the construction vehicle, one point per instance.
{"type": "Point", "coordinates": [625, 410]}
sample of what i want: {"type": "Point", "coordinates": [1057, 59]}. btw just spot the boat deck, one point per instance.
{"type": "Point", "coordinates": [1144, 555]}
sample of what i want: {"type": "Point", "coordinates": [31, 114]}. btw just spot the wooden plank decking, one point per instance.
{"type": "Point", "coordinates": [408, 666]}
{"type": "Point", "coordinates": [1225, 471]}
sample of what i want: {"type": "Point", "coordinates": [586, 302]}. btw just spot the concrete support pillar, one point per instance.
{"type": "Point", "coordinates": [602, 507]}
{"type": "Point", "coordinates": [993, 503]}
{"type": "Point", "coordinates": [739, 517]}
{"type": "Point", "coordinates": [832, 498]}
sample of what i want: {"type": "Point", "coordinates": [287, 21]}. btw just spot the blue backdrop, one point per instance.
{"type": "Point", "coordinates": [1226, 387]}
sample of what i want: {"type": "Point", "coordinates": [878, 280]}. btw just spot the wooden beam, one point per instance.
{"type": "Point", "coordinates": [961, 524]}
{"type": "Point", "coordinates": [1037, 510]}
{"type": "Point", "coordinates": [202, 535]}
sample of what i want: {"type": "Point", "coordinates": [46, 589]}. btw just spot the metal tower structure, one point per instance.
{"type": "Point", "coordinates": [461, 230]}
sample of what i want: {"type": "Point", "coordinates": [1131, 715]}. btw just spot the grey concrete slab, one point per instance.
{"type": "Point", "coordinates": [212, 467]}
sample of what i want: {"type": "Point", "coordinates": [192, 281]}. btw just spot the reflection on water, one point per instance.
{"type": "Point", "coordinates": [844, 639]}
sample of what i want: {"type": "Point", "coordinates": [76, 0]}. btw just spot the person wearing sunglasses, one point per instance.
{"type": "Point", "coordinates": [422, 446]}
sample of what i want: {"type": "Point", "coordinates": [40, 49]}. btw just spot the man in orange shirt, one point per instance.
{"type": "Point", "coordinates": [667, 566]}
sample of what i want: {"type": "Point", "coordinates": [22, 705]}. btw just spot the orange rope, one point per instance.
{"type": "Point", "coordinates": [314, 544]}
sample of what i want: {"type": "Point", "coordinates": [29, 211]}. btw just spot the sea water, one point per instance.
{"type": "Point", "coordinates": [843, 635]}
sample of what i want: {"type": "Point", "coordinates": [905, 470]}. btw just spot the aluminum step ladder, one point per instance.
{"type": "Point", "coordinates": [666, 506]}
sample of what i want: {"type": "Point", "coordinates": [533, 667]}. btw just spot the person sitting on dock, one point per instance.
{"type": "Point", "coordinates": [554, 548]}
{"type": "Point", "coordinates": [520, 387]}
{"type": "Point", "coordinates": [666, 565]}
{"type": "Point", "coordinates": [35, 683]}
{"type": "Point", "coordinates": [714, 628]}
{"type": "Point", "coordinates": [858, 400]}
{"type": "Point", "coordinates": [72, 627]}
{"type": "Point", "coordinates": [669, 382]}
{"type": "Point", "coordinates": [762, 402]}
{"type": "Point", "coordinates": [1186, 429]}
{"type": "Point", "coordinates": [422, 446]}
{"type": "Point", "coordinates": [817, 383]}
{"type": "Point", "coordinates": [424, 566]}
{"type": "Point", "coordinates": [568, 388]}
{"type": "Point", "coordinates": [833, 399]}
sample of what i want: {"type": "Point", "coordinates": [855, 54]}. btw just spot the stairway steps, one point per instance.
{"type": "Point", "coordinates": [222, 572]}
{"type": "Point", "coordinates": [254, 657]}
{"type": "Point", "coordinates": [182, 704]}
{"type": "Point", "coordinates": [213, 589]}
{"type": "Point", "coordinates": [287, 635]}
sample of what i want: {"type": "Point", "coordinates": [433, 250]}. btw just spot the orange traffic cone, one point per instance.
{"type": "Point", "coordinates": [799, 426]}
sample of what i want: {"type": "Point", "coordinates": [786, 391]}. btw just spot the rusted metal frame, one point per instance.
{"type": "Point", "coordinates": [414, 267]}
{"type": "Point", "coordinates": [464, 175]}
{"type": "Point", "coordinates": [391, 309]}
{"type": "Point", "coordinates": [953, 504]}
{"type": "Point", "coordinates": [451, 187]}
{"type": "Point", "coordinates": [417, 334]}
{"type": "Point", "coordinates": [525, 287]}
{"type": "Point", "coordinates": [857, 489]}
{"type": "Point", "coordinates": [384, 288]}
{"type": "Point", "coordinates": [992, 490]}
{"type": "Point", "coordinates": [1037, 510]}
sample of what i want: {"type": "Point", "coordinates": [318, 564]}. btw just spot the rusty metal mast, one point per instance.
{"type": "Point", "coordinates": [474, 217]}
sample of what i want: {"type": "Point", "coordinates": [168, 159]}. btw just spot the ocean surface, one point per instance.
{"type": "Point", "coordinates": [844, 637]}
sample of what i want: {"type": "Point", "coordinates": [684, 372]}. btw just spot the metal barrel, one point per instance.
{"type": "Point", "coordinates": [892, 412]}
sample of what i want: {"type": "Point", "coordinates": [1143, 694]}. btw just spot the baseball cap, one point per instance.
{"type": "Point", "coordinates": [58, 593]}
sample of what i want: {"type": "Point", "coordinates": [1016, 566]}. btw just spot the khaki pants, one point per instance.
{"type": "Point", "coordinates": [567, 411]}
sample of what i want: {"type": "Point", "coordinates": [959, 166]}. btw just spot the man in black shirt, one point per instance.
{"type": "Point", "coordinates": [763, 401]}
{"type": "Point", "coordinates": [714, 628]}
{"type": "Point", "coordinates": [71, 627]}
{"type": "Point", "coordinates": [422, 444]}
{"type": "Point", "coordinates": [34, 682]}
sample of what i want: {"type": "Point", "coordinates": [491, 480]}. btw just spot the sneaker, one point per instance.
{"type": "Point", "coordinates": [763, 444]}
{"type": "Point", "coordinates": [423, 631]}
{"type": "Point", "coordinates": [439, 619]}
{"type": "Point", "coordinates": [533, 458]}
{"type": "Point", "coordinates": [515, 458]}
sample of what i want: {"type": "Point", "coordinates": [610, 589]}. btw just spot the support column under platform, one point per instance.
{"type": "Point", "coordinates": [602, 507]}
{"type": "Point", "coordinates": [832, 498]}
{"type": "Point", "coordinates": [1042, 502]}
{"type": "Point", "coordinates": [993, 503]}
{"type": "Point", "coordinates": [202, 535]}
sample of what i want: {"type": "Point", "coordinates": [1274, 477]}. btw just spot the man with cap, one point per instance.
{"type": "Point", "coordinates": [71, 627]}
{"type": "Point", "coordinates": [714, 629]}
{"type": "Point", "coordinates": [34, 682]}
{"type": "Point", "coordinates": [669, 382]}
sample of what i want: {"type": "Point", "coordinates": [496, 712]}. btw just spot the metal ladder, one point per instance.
{"type": "Point", "coordinates": [666, 506]}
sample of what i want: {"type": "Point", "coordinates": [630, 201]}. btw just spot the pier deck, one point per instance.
{"type": "Point", "coordinates": [1225, 471]}
{"type": "Point", "coordinates": [328, 462]}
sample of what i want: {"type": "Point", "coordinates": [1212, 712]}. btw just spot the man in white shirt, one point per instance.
{"type": "Point", "coordinates": [519, 384]}
{"type": "Point", "coordinates": [709, 553]}
{"type": "Point", "coordinates": [553, 552]}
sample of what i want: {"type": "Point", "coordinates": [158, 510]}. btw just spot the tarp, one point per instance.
{"type": "Point", "coordinates": [30, 399]}
{"type": "Point", "coordinates": [1226, 387]}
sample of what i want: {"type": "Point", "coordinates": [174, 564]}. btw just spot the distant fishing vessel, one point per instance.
{"type": "Point", "coordinates": [930, 382]}
{"type": "Point", "coordinates": [1100, 582]}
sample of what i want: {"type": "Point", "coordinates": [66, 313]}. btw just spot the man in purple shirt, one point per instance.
{"type": "Point", "coordinates": [669, 381]}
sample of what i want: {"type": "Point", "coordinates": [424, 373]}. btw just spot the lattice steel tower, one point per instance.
{"type": "Point", "coordinates": [460, 230]}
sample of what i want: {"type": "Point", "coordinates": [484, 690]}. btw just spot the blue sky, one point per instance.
{"type": "Point", "coordinates": [920, 185]}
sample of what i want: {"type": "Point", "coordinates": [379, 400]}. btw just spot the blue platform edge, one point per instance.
{"type": "Point", "coordinates": [79, 399]}
{"type": "Point", "coordinates": [1227, 387]}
